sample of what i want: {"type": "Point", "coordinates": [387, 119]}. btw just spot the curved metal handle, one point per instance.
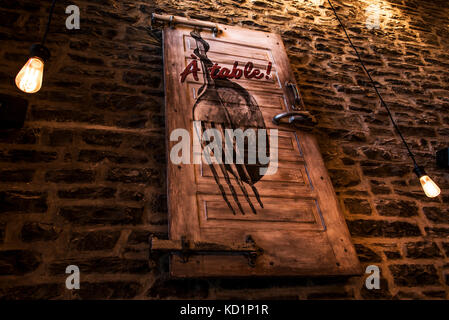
{"type": "Point", "coordinates": [297, 97]}
{"type": "Point", "coordinates": [292, 116]}
{"type": "Point", "coordinates": [295, 117]}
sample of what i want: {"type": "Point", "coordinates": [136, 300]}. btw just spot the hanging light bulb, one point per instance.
{"type": "Point", "coordinates": [29, 79]}
{"type": "Point", "coordinates": [429, 186]}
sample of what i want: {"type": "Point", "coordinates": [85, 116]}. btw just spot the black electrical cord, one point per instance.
{"type": "Point", "coordinates": [412, 156]}
{"type": "Point", "coordinates": [44, 38]}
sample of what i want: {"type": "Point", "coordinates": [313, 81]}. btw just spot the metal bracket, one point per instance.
{"type": "Point", "coordinates": [173, 21]}
{"type": "Point", "coordinates": [185, 248]}
{"type": "Point", "coordinates": [297, 98]}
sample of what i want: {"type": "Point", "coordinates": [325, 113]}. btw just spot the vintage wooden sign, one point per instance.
{"type": "Point", "coordinates": [237, 219]}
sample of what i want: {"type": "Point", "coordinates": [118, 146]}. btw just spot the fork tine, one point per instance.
{"type": "Point", "coordinates": [226, 177]}
{"type": "Point", "coordinates": [229, 168]}
{"type": "Point", "coordinates": [215, 174]}
{"type": "Point", "coordinates": [250, 182]}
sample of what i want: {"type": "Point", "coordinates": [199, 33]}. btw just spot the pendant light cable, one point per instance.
{"type": "Point", "coordinates": [48, 22]}
{"type": "Point", "coordinates": [412, 156]}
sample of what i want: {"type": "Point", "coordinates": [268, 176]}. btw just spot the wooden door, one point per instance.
{"type": "Point", "coordinates": [293, 215]}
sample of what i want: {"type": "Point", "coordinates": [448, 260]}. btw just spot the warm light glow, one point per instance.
{"type": "Point", "coordinates": [317, 2]}
{"type": "Point", "coordinates": [430, 188]}
{"type": "Point", "coordinates": [29, 78]}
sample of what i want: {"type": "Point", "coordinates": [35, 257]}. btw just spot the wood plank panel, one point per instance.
{"type": "Point", "coordinates": [292, 210]}
{"type": "Point", "coordinates": [219, 46]}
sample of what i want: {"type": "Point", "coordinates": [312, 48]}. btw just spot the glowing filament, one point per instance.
{"type": "Point", "coordinates": [29, 78]}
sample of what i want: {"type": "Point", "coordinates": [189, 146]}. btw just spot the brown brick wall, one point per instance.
{"type": "Point", "coordinates": [83, 182]}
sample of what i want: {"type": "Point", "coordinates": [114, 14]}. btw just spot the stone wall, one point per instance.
{"type": "Point", "coordinates": [83, 182]}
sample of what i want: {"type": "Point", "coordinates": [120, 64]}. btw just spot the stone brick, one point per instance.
{"type": "Point", "coordinates": [379, 154]}
{"type": "Point", "coordinates": [106, 265]}
{"type": "Point", "coordinates": [60, 138]}
{"type": "Point", "coordinates": [393, 255]}
{"type": "Point", "coordinates": [131, 175]}
{"type": "Point", "coordinates": [263, 4]}
{"type": "Point", "coordinates": [447, 279]}
{"type": "Point", "coordinates": [385, 170]}
{"type": "Point", "coordinates": [91, 72]}
{"type": "Point", "coordinates": [23, 202]}
{"type": "Point", "coordinates": [437, 215]}
{"type": "Point", "coordinates": [70, 176]}
{"type": "Point", "coordinates": [86, 60]}
{"type": "Point", "coordinates": [423, 250]}
{"type": "Point", "coordinates": [122, 102]}
{"type": "Point", "coordinates": [143, 236]}
{"type": "Point", "coordinates": [102, 138]}
{"type": "Point", "coordinates": [111, 87]}
{"type": "Point", "coordinates": [366, 254]}
{"type": "Point", "coordinates": [66, 116]}
{"type": "Point", "coordinates": [158, 203]}
{"type": "Point", "coordinates": [36, 231]}
{"type": "Point", "coordinates": [130, 195]}
{"type": "Point", "coordinates": [379, 228]}
{"type": "Point", "coordinates": [19, 136]}
{"type": "Point", "coordinates": [435, 294]}
{"type": "Point", "coordinates": [407, 295]}
{"type": "Point", "coordinates": [106, 215]}
{"type": "Point", "coordinates": [438, 232]}
{"type": "Point", "coordinates": [141, 79]}
{"type": "Point", "coordinates": [95, 240]}
{"type": "Point", "coordinates": [19, 262]}
{"type": "Point", "coordinates": [412, 275]}
{"type": "Point", "coordinates": [23, 175]}
{"type": "Point", "coordinates": [29, 6]}
{"type": "Point", "coordinates": [357, 206]}
{"type": "Point", "coordinates": [97, 156]}
{"type": "Point", "coordinates": [136, 121]}
{"type": "Point", "coordinates": [418, 131]}
{"type": "Point", "coordinates": [43, 291]}
{"type": "Point", "coordinates": [2, 231]}
{"type": "Point", "coordinates": [378, 187]}
{"type": "Point", "coordinates": [446, 248]}
{"type": "Point", "coordinates": [87, 193]}
{"type": "Point", "coordinates": [344, 178]}
{"type": "Point", "coordinates": [27, 156]}
{"type": "Point", "coordinates": [398, 208]}
{"type": "Point", "coordinates": [374, 294]}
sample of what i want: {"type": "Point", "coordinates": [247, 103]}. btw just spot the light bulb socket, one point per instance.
{"type": "Point", "coordinates": [419, 171]}
{"type": "Point", "coordinates": [40, 51]}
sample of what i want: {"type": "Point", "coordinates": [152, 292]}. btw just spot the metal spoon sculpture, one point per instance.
{"type": "Point", "coordinates": [223, 104]}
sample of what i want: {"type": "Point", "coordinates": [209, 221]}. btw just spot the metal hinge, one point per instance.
{"type": "Point", "coordinates": [186, 248]}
